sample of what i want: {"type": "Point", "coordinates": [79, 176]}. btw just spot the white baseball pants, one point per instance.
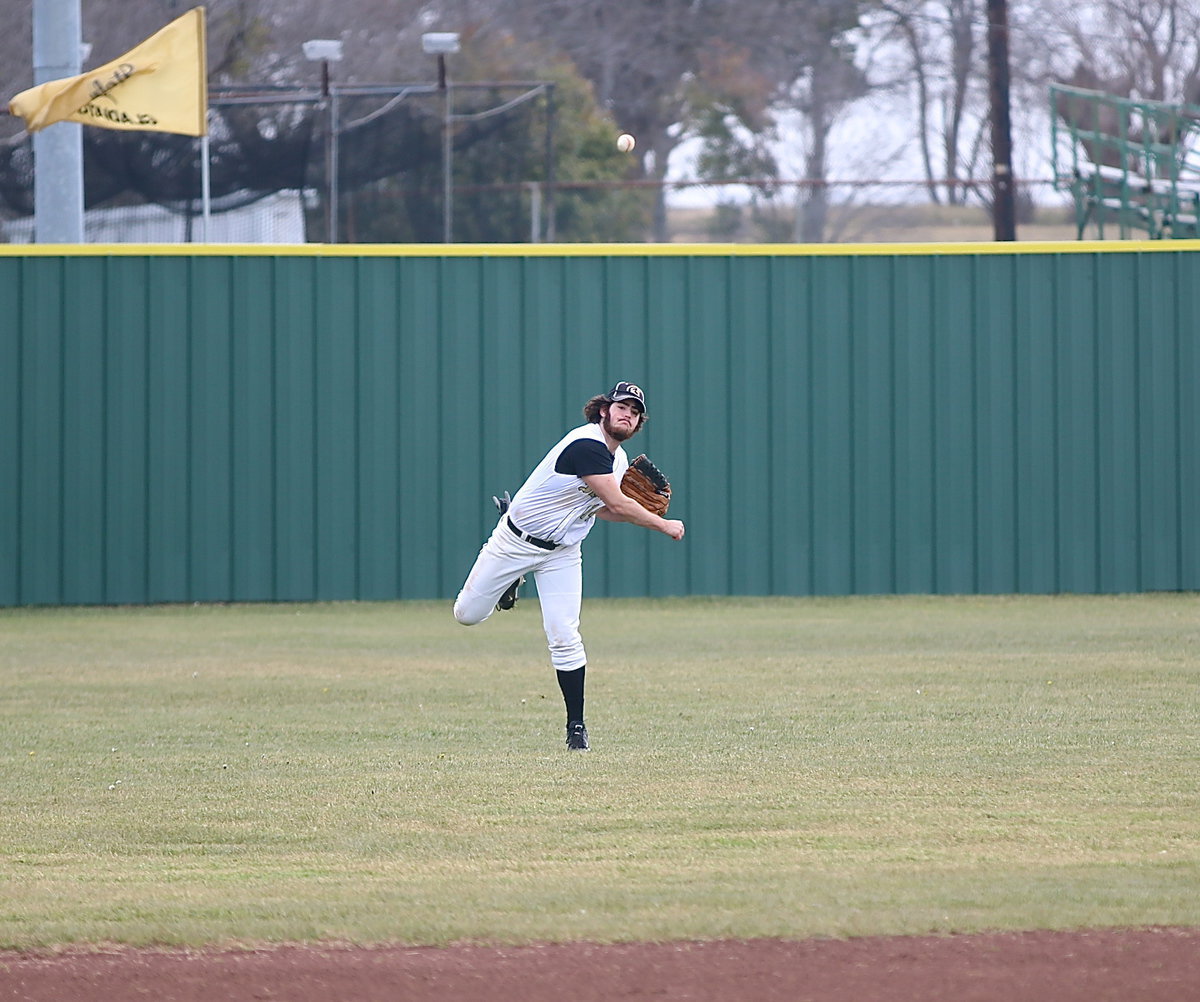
{"type": "Point", "coordinates": [559, 575]}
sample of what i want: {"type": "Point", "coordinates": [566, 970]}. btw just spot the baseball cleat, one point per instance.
{"type": "Point", "coordinates": [509, 598]}
{"type": "Point", "coordinates": [577, 739]}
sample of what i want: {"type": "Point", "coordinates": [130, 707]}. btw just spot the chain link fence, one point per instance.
{"type": "Point", "coordinates": [471, 163]}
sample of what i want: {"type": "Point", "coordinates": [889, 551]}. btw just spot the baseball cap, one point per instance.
{"type": "Point", "coordinates": [628, 391]}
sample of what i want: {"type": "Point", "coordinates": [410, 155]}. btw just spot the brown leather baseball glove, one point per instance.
{"type": "Point", "coordinates": [645, 483]}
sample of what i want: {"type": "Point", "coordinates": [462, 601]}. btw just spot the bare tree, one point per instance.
{"type": "Point", "coordinates": [941, 52]}
{"type": "Point", "coordinates": [1141, 60]}
{"type": "Point", "coordinates": [1148, 49]}
{"type": "Point", "coordinates": [821, 80]}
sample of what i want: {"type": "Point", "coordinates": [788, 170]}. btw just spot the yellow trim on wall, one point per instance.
{"type": "Point", "coordinates": [600, 250]}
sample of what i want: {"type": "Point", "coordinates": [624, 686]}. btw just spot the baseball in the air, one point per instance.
{"type": "Point", "coordinates": [625, 142]}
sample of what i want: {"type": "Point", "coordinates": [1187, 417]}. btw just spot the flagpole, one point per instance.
{"type": "Point", "coordinates": [205, 148]}
{"type": "Point", "coordinates": [205, 189]}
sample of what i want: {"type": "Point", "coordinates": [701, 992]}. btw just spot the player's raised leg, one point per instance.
{"type": "Point", "coordinates": [502, 560]}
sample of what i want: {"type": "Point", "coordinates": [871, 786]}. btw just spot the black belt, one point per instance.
{"type": "Point", "coordinates": [545, 544]}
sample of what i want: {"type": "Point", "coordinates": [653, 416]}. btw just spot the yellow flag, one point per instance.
{"type": "Point", "coordinates": [159, 86]}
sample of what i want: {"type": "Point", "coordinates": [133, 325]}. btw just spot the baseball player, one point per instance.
{"type": "Point", "coordinates": [541, 530]}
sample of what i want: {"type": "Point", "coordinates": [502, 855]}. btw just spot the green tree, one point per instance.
{"type": "Point", "coordinates": [527, 131]}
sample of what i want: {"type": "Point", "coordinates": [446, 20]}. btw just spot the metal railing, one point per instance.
{"type": "Point", "coordinates": [1126, 162]}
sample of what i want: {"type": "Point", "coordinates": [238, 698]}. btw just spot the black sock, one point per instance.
{"type": "Point", "coordinates": [571, 684]}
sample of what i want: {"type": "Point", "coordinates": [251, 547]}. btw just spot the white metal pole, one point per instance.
{"type": "Point", "coordinates": [535, 212]}
{"type": "Point", "coordinates": [205, 188]}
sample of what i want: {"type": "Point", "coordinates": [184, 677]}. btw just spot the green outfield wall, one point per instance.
{"type": "Point", "coordinates": [265, 423]}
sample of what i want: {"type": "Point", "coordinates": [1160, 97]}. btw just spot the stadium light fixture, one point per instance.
{"type": "Point", "coordinates": [318, 50]}
{"type": "Point", "coordinates": [442, 44]}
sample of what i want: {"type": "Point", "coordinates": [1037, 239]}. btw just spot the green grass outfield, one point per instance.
{"type": "Point", "coordinates": [760, 767]}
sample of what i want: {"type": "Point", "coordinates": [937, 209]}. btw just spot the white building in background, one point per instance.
{"type": "Point", "coordinates": [275, 219]}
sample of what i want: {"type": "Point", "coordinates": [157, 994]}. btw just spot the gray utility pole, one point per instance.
{"type": "Point", "coordinates": [57, 149]}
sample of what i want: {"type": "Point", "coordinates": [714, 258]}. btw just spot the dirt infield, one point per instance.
{"type": "Point", "coordinates": [1142, 965]}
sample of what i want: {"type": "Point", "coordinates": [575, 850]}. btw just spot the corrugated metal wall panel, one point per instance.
{"type": "Point", "coordinates": [1158, 446]}
{"type": "Point", "coordinates": [613, 342]}
{"type": "Point", "coordinates": [954, 441]}
{"type": "Point", "coordinates": [750, 527]}
{"type": "Point", "coordinates": [994, 419]}
{"type": "Point", "coordinates": [16, 290]}
{"type": "Point", "coordinates": [787, 473]}
{"type": "Point", "coordinates": [92, 460]}
{"type": "Point", "coordinates": [1117, 489]}
{"type": "Point", "coordinates": [252, 387]}
{"type": "Point", "coordinates": [244, 426]}
{"type": "Point", "coordinates": [1076, 394]}
{"type": "Point", "coordinates": [336, 393]}
{"type": "Point", "coordinates": [422, 439]}
{"type": "Point", "coordinates": [873, 450]}
{"type": "Point", "coordinates": [168, 448]}
{"type": "Point", "coordinates": [669, 432]}
{"type": "Point", "coordinates": [111, 316]}
{"type": "Point", "coordinates": [377, 414]}
{"type": "Point", "coordinates": [1036, 442]}
{"type": "Point", "coordinates": [211, 432]}
{"type": "Point", "coordinates": [912, 318]}
{"type": "Point", "coordinates": [712, 421]}
{"type": "Point", "coordinates": [833, 337]}
{"type": "Point", "coordinates": [296, 416]}
{"type": "Point", "coordinates": [1187, 322]}
{"type": "Point", "coordinates": [40, 429]}
{"type": "Point", "coordinates": [12, 309]}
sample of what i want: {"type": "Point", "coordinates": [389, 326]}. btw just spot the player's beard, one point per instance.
{"type": "Point", "coordinates": [620, 434]}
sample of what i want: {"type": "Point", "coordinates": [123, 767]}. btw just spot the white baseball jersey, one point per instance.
{"type": "Point", "coordinates": [554, 503]}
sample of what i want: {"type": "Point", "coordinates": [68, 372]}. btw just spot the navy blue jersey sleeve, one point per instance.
{"type": "Point", "coordinates": [584, 457]}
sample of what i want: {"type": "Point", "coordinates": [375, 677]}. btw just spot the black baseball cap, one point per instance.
{"type": "Point", "coordinates": [628, 391]}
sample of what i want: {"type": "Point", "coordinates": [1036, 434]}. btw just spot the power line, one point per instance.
{"type": "Point", "coordinates": [1040, 31]}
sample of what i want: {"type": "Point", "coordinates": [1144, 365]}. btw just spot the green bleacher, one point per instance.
{"type": "Point", "coordinates": [1128, 164]}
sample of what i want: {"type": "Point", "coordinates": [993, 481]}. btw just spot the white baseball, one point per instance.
{"type": "Point", "coordinates": [625, 142]}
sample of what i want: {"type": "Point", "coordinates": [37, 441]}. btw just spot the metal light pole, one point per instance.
{"type": "Point", "coordinates": [441, 44]}
{"type": "Point", "coordinates": [325, 51]}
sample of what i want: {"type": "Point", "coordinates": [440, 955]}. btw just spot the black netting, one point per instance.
{"type": "Point", "coordinates": [388, 155]}
{"type": "Point", "coordinates": [16, 178]}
